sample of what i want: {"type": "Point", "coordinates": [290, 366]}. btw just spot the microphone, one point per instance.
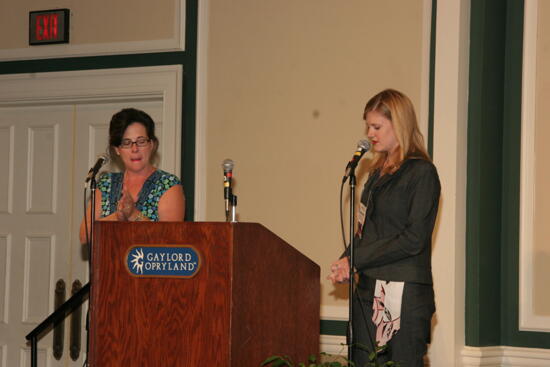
{"type": "Point", "coordinates": [101, 160]}
{"type": "Point", "coordinates": [363, 146]}
{"type": "Point", "coordinates": [227, 165]}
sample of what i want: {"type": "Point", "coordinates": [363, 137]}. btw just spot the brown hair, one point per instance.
{"type": "Point", "coordinates": [398, 108]}
{"type": "Point", "coordinates": [120, 122]}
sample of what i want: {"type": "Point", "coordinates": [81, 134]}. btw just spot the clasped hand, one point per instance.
{"type": "Point", "coordinates": [339, 271]}
{"type": "Point", "coordinates": [125, 207]}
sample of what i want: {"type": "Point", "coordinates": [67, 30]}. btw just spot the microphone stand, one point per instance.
{"type": "Point", "coordinates": [233, 204]}
{"type": "Point", "coordinates": [93, 187]}
{"type": "Point", "coordinates": [350, 336]}
{"type": "Point", "coordinates": [231, 210]}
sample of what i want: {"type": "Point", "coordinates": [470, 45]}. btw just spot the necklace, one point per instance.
{"type": "Point", "coordinates": [389, 167]}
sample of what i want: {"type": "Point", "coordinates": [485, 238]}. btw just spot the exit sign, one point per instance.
{"type": "Point", "coordinates": [49, 26]}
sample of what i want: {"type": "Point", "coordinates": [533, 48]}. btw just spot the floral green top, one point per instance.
{"type": "Point", "coordinates": [110, 185]}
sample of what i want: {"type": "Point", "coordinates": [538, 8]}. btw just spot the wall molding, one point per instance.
{"type": "Point", "coordinates": [4, 317]}
{"type": "Point", "coordinates": [336, 345]}
{"type": "Point", "coordinates": [160, 82]}
{"type": "Point", "coordinates": [528, 320]}
{"type": "Point", "coordinates": [175, 43]}
{"type": "Point", "coordinates": [335, 313]}
{"type": "Point", "coordinates": [333, 344]}
{"type": "Point", "coordinates": [449, 152]}
{"type": "Point", "coordinates": [505, 356]}
{"type": "Point", "coordinates": [424, 108]}
{"type": "Point", "coordinates": [202, 111]}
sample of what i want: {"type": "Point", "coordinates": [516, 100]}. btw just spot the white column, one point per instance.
{"type": "Point", "coordinates": [201, 110]}
{"type": "Point", "coordinates": [450, 127]}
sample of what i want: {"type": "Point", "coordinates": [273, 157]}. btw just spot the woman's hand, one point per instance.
{"type": "Point", "coordinates": [126, 206]}
{"type": "Point", "coordinates": [339, 271]}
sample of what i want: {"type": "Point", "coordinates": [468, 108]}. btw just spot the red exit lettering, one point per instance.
{"type": "Point", "coordinates": [46, 27]}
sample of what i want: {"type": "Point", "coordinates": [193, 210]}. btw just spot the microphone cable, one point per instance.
{"type": "Point", "coordinates": [360, 299]}
{"type": "Point", "coordinates": [342, 229]}
{"type": "Point", "coordinates": [356, 294]}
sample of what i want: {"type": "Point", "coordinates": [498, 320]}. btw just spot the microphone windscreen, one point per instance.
{"type": "Point", "coordinates": [227, 165]}
{"type": "Point", "coordinates": [105, 157]}
{"type": "Point", "coordinates": [364, 145]}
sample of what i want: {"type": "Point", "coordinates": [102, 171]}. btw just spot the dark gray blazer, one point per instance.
{"type": "Point", "coordinates": [397, 234]}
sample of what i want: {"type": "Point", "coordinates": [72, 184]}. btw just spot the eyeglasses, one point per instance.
{"type": "Point", "coordinates": [140, 142]}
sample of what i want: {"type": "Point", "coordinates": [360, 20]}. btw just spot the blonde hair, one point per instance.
{"type": "Point", "coordinates": [398, 108]}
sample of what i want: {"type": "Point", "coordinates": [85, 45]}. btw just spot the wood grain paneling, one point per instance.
{"type": "Point", "coordinates": [254, 295]}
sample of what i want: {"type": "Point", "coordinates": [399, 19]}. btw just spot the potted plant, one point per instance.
{"type": "Point", "coordinates": [333, 361]}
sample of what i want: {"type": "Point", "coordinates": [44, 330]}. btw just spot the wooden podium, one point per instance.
{"type": "Point", "coordinates": [251, 296]}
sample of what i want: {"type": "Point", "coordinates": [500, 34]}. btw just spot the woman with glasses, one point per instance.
{"type": "Point", "coordinates": [141, 192]}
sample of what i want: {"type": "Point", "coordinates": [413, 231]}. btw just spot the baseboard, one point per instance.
{"type": "Point", "coordinates": [333, 344]}
{"type": "Point", "coordinates": [499, 356]}
{"type": "Point", "coordinates": [336, 313]}
{"type": "Point", "coordinates": [504, 356]}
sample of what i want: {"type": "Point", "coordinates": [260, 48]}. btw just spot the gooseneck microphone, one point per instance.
{"type": "Point", "coordinates": [363, 146]}
{"type": "Point", "coordinates": [101, 160]}
{"type": "Point", "coordinates": [227, 166]}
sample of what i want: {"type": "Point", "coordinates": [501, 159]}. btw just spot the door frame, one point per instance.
{"type": "Point", "coordinates": [164, 82]}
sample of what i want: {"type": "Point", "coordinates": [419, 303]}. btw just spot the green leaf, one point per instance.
{"type": "Point", "coordinates": [277, 361]}
{"type": "Point", "coordinates": [281, 363]}
{"type": "Point", "coordinates": [270, 359]}
{"type": "Point", "coordinates": [315, 361]}
{"type": "Point", "coordinates": [362, 347]}
{"type": "Point", "coordinates": [372, 356]}
{"type": "Point", "coordinates": [381, 349]}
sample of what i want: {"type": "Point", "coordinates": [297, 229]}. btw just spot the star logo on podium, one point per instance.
{"type": "Point", "coordinates": [137, 261]}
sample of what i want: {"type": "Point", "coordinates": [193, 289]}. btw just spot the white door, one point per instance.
{"type": "Point", "coordinates": [45, 152]}
{"type": "Point", "coordinates": [36, 145]}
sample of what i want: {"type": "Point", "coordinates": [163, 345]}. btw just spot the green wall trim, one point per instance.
{"type": "Point", "coordinates": [189, 121]}
{"type": "Point", "coordinates": [484, 172]}
{"type": "Point", "coordinates": [93, 62]}
{"type": "Point", "coordinates": [511, 186]}
{"type": "Point", "coordinates": [493, 182]}
{"type": "Point", "coordinates": [332, 327]}
{"type": "Point", "coordinates": [188, 60]}
{"type": "Point", "coordinates": [433, 40]}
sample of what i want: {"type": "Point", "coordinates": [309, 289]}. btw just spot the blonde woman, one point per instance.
{"type": "Point", "coordinates": [394, 298]}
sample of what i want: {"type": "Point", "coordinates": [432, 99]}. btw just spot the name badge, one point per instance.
{"type": "Point", "coordinates": [361, 215]}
